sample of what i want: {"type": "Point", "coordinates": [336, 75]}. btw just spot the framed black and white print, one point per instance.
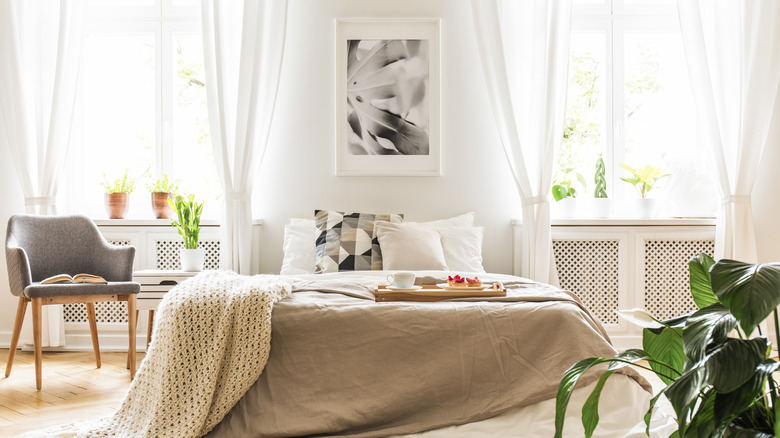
{"type": "Point", "coordinates": [387, 97]}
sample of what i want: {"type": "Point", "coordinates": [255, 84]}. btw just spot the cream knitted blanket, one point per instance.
{"type": "Point", "coordinates": [211, 341]}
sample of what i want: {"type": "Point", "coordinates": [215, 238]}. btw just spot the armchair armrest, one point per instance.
{"type": "Point", "coordinates": [114, 263]}
{"type": "Point", "coordinates": [19, 274]}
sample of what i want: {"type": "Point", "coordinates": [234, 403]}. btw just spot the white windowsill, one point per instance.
{"type": "Point", "coordinates": [624, 222]}
{"type": "Point", "coordinates": [157, 222]}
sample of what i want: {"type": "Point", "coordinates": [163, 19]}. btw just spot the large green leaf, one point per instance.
{"type": "Point", "coordinates": [682, 393]}
{"type": "Point", "coordinates": [729, 405]}
{"type": "Point", "coordinates": [734, 362]}
{"type": "Point", "coordinates": [751, 292]}
{"type": "Point", "coordinates": [573, 374]}
{"type": "Point", "coordinates": [701, 288]}
{"type": "Point", "coordinates": [703, 421]}
{"type": "Point", "coordinates": [712, 323]}
{"type": "Point", "coordinates": [590, 410]}
{"type": "Point", "coordinates": [666, 347]}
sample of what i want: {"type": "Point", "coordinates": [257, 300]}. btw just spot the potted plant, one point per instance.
{"type": "Point", "coordinates": [644, 180]}
{"type": "Point", "coordinates": [564, 194]}
{"type": "Point", "coordinates": [117, 195]}
{"type": "Point", "coordinates": [162, 189]}
{"type": "Point", "coordinates": [602, 205]}
{"type": "Point", "coordinates": [188, 224]}
{"type": "Point", "coordinates": [720, 380]}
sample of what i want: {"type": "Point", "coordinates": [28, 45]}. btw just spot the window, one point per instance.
{"type": "Point", "coordinates": [629, 100]}
{"type": "Point", "coordinates": [141, 105]}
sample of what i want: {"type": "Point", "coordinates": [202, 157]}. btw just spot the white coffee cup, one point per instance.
{"type": "Point", "coordinates": [401, 280]}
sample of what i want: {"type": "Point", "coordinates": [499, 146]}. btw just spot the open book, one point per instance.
{"type": "Point", "coordinates": [78, 278]}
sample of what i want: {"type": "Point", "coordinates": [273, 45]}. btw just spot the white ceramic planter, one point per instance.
{"type": "Point", "coordinates": [644, 208]}
{"type": "Point", "coordinates": [566, 208]}
{"type": "Point", "coordinates": [192, 259]}
{"type": "Point", "coordinates": [600, 208]}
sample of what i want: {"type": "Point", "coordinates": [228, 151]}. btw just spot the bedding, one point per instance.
{"type": "Point", "coordinates": [343, 365]}
{"type": "Point", "coordinates": [301, 233]}
{"type": "Point", "coordinates": [409, 247]}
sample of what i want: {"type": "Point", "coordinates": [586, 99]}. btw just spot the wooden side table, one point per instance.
{"type": "Point", "coordinates": [154, 285]}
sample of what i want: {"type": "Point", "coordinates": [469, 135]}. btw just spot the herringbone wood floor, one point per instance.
{"type": "Point", "coordinates": [73, 389]}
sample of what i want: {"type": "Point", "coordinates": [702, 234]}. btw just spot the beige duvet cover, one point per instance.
{"type": "Point", "coordinates": [343, 365]}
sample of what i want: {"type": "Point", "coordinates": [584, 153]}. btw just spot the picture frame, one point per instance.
{"type": "Point", "coordinates": [388, 109]}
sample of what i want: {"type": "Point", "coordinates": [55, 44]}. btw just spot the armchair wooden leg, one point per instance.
{"type": "Point", "coordinates": [132, 326]}
{"type": "Point", "coordinates": [93, 331]}
{"type": "Point", "coordinates": [36, 312]}
{"type": "Point", "coordinates": [21, 309]}
{"type": "Point", "coordinates": [135, 330]}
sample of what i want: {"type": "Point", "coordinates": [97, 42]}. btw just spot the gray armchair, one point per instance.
{"type": "Point", "coordinates": [38, 247]}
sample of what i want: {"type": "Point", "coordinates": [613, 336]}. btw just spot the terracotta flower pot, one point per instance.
{"type": "Point", "coordinates": [160, 205]}
{"type": "Point", "coordinates": [117, 205]}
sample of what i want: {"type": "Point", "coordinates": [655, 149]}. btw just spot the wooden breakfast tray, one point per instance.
{"type": "Point", "coordinates": [431, 292]}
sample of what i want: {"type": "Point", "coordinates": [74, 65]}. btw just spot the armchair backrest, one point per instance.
{"type": "Point", "coordinates": [56, 244]}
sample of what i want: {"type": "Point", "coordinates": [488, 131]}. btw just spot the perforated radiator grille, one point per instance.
{"type": "Point", "coordinates": [667, 290]}
{"type": "Point", "coordinates": [589, 268]}
{"type": "Point", "coordinates": [166, 258]}
{"type": "Point", "coordinates": [104, 312]}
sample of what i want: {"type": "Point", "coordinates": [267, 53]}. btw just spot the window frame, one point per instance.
{"type": "Point", "coordinates": [615, 19]}
{"type": "Point", "coordinates": [162, 19]}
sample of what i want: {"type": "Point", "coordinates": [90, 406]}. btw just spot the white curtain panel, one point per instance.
{"type": "Point", "coordinates": [243, 44]}
{"type": "Point", "coordinates": [733, 53]}
{"type": "Point", "coordinates": [524, 47]}
{"type": "Point", "coordinates": [40, 54]}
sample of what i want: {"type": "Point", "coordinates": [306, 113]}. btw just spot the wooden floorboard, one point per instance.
{"type": "Point", "coordinates": [73, 389]}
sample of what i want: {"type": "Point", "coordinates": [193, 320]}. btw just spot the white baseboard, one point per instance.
{"type": "Point", "coordinates": [112, 337]}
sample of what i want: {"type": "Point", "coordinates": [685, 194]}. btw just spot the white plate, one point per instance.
{"type": "Point", "coordinates": [404, 289]}
{"type": "Point", "coordinates": [446, 286]}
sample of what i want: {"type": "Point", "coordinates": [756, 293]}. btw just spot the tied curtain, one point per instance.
{"type": "Point", "coordinates": [40, 54]}
{"type": "Point", "coordinates": [732, 49]}
{"type": "Point", "coordinates": [524, 47]}
{"type": "Point", "coordinates": [243, 44]}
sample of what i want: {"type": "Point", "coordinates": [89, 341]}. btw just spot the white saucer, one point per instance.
{"type": "Point", "coordinates": [404, 289]}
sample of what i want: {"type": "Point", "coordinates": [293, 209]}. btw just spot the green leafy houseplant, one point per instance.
{"type": "Point", "coordinates": [645, 178]}
{"type": "Point", "coordinates": [187, 222]}
{"type": "Point", "coordinates": [718, 384]}
{"type": "Point", "coordinates": [563, 189]}
{"type": "Point", "coordinates": [163, 185]}
{"type": "Point", "coordinates": [123, 184]}
{"type": "Point", "coordinates": [600, 178]}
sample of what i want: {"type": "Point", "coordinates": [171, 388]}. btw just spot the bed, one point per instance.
{"type": "Point", "coordinates": [344, 365]}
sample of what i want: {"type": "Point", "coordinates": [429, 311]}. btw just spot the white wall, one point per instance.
{"type": "Point", "coordinates": [297, 175]}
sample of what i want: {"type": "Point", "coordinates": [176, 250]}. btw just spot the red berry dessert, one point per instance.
{"type": "Point", "coordinates": [458, 281]}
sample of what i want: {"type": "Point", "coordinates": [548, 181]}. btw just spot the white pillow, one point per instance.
{"type": "Point", "coordinates": [462, 248]}
{"type": "Point", "coordinates": [299, 247]}
{"type": "Point", "coordinates": [464, 220]}
{"type": "Point", "coordinates": [409, 247]}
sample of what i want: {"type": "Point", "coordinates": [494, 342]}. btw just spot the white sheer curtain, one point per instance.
{"type": "Point", "coordinates": [40, 54]}
{"type": "Point", "coordinates": [733, 54]}
{"type": "Point", "coordinates": [243, 44]}
{"type": "Point", "coordinates": [524, 46]}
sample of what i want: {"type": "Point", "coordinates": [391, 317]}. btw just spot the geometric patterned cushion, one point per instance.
{"type": "Point", "coordinates": [347, 241]}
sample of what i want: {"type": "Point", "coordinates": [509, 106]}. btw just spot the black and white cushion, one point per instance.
{"type": "Point", "coordinates": [347, 241]}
